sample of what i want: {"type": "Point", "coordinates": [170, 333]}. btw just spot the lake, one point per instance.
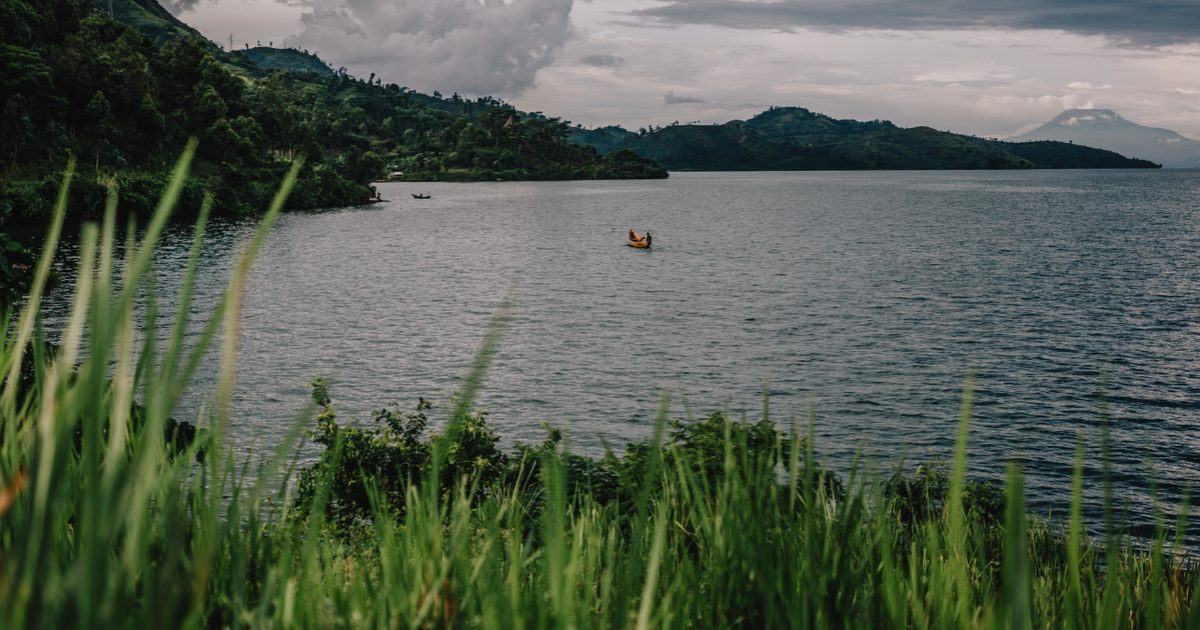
{"type": "Point", "coordinates": [867, 297]}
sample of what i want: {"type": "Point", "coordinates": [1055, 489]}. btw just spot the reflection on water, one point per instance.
{"type": "Point", "coordinates": [870, 296]}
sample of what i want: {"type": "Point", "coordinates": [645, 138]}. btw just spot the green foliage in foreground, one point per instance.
{"type": "Point", "coordinates": [716, 524]}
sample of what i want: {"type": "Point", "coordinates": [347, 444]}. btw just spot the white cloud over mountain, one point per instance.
{"type": "Point", "coordinates": [471, 46]}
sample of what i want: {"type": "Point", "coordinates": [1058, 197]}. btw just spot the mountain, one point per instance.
{"type": "Point", "coordinates": [794, 138]}
{"type": "Point", "coordinates": [1106, 129]}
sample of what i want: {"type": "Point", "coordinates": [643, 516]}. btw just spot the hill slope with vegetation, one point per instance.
{"type": "Point", "coordinates": [794, 138]}
{"type": "Point", "coordinates": [122, 96]}
{"type": "Point", "coordinates": [147, 17]}
{"type": "Point", "coordinates": [297, 61]}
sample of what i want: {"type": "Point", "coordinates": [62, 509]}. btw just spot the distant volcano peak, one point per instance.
{"type": "Point", "coordinates": [1105, 129]}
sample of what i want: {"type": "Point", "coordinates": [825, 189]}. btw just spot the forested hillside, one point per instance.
{"type": "Point", "coordinates": [794, 138]}
{"type": "Point", "coordinates": [296, 61]}
{"type": "Point", "coordinates": [124, 98]}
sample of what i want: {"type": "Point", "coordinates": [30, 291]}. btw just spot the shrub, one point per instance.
{"type": "Point", "coordinates": [387, 457]}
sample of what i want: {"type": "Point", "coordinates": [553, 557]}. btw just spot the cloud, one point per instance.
{"type": "Point", "coordinates": [981, 77]}
{"type": "Point", "coordinates": [671, 98]}
{"type": "Point", "coordinates": [178, 6]}
{"type": "Point", "coordinates": [339, 20]}
{"type": "Point", "coordinates": [1075, 120]}
{"type": "Point", "coordinates": [601, 60]}
{"type": "Point", "coordinates": [1141, 22]}
{"type": "Point", "coordinates": [474, 47]}
{"type": "Point", "coordinates": [1026, 109]}
{"type": "Point", "coordinates": [1084, 85]}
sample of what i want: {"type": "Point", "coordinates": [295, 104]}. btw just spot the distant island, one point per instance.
{"type": "Point", "coordinates": [794, 138]}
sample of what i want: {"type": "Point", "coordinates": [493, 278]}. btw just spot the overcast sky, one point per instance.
{"type": "Point", "coordinates": [985, 67]}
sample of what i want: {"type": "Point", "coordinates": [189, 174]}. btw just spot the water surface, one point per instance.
{"type": "Point", "coordinates": [868, 297]}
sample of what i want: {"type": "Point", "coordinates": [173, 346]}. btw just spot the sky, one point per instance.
{"type": "Point", "coordinates": [992, 68]}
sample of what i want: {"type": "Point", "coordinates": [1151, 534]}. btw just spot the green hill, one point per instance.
{"type": "Point", "coordinates": [728, 147]}
{"type": "Point", "coordinates": [148, 17]}
{"type": "Point", "coordinates": [1066, 155]}
{"type": "Point", "coordinates": [794, 138]}
{"type": "Point", "coordinates": [605, 139]}
{"type": "Point", "coordinates": [801, 126]}
{"type": "Point", "coordinates": [288, 59]}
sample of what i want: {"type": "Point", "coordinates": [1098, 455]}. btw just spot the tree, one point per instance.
{"type": "Point", "coordinates": [16, 126]}
{"type": "Point", "coordinates": [364, 167]}
{"type": "Point", "coordinates": [209, 108]}
{"type": "Point", "coordinates": [22, 71]}
{"type": "Point", "coordinates": [99, 111]}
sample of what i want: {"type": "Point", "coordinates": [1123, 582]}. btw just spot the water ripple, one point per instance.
{"type": "Point", "coordinates": [1073, 298]}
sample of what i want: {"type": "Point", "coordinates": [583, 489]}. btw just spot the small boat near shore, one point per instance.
{"type": "Point", "coordinates": [416, 196]}
{"type": "Point", "coordinates": [638, 240]}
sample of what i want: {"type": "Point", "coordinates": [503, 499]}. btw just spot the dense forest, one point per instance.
{"type": "Point", "coordinates": [794, 138]}
{"type": "Point", "coordinates": [123, 95]}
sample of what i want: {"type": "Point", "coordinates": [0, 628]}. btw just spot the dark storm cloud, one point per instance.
{"type": "Point", "coordinates": [1152, 22]}
{"type": "Point", "coordinates": [600, 60]}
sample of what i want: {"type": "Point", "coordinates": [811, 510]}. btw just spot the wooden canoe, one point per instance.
{"type": "Point", "coordinates": [640, 241]}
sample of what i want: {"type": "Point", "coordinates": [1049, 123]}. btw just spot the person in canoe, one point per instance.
{"type": "Point", "coordinates": [639, 241]}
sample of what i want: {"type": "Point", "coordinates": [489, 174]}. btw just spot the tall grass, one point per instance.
{"type": "Point", "coordinates": [103, 524]}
